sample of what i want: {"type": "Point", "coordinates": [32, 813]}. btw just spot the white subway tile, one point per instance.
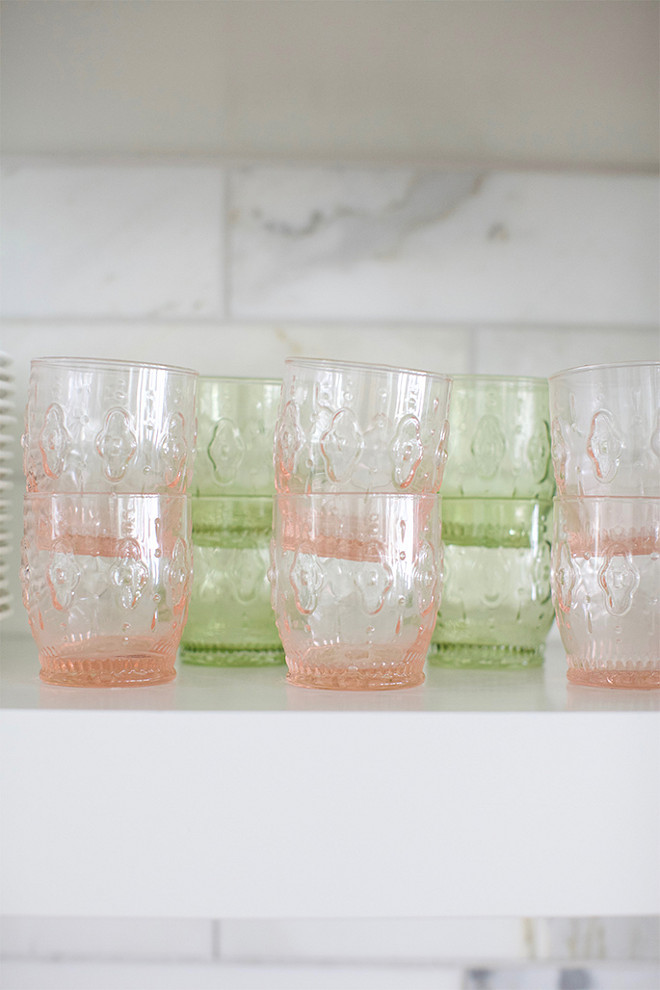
{"type": "Point", "coordinates": [332, 242]}
{"type": "Point", "coordinates": [163, 940]}
{"type": "Point", "coordinates": [20, 975]}
{"type": "Point", "coordinates": [543, 351]}
{"type": "Point", "coordinates": [234, 349]}
{"type": "Point", "coordinates": [441, 349]}
{"type": "Point", "coordinates": [24, 975]}
{"type": "Point", "coordinates": [437, 940]}
{"type": "Point", "coordinates": [112, 240]}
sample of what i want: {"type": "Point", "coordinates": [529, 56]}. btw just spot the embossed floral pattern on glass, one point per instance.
{"type": "Point", "coordinates": [63, 575]}
{"type": "Point", "coordinates": [54, 441]}
{"type": "Point", "coordinates": [356, 581]}
{"type": "Point", "coordinates": [96, 425]}
{"type": "Point", "coordinates": [236, 425]}
{"type": "Point", "coordinates": [605, 429]}
{"type": "Point", "coordinates": [356, 427]}
{"type": "Point", "coordinates": [226, 450]}
{"type": "Point", "coordinates": [116, 444]}
{"type": "Point", "coordinates": [606, 589]}
{"type": "Point", "coordinates": [106, 582]}
{"type": "Point", "coordinates": [499, 438]}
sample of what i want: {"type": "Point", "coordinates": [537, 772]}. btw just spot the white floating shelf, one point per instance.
{"type": "Point", "coordinates": [229, 793]}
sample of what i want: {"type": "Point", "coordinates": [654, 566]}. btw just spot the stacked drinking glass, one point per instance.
{"type": "Point", "coordinates": [606, 549]}
{"type": "Point", "coordinates": [106, 553]}
{"type": "Point", "coordinates": [497, 493]}
{"type": "Point", "coordinates": [7, 419]}
{"type": "Point", "coordinates": [356, 565]}
{"type": "Point", "coordinates": [230, 621]}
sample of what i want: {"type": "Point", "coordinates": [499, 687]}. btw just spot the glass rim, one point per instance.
{"type": "Point", "coordinates": [110, 363]}
{"type": "Point", "coordinates": [364, 496]}
{"type": "Point", "coordinates": [512, 380]}
{"type": "Point", "coordinates": [592, 499]}
{"type": "Point", "coordinates": [88, 496]}
{"type": "Point", "coordinates": [330, 364]}
{"type": "Point", "coordinates": [221, 498]}
{"type": "Point", "coordinates": [498, 499]}
{"type": "Point", "coordinates": [239, 379]}
{"type": "Point", "coordinates": [586, 368]}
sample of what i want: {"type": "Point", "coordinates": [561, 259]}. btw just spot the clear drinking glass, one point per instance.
{"type": "Point", "coordinates": [355, 587]}
{"type": "Point", "coordinates": [606, 589]}
{"type": "Point", "coordinates": [606, 429]}
{"type": "Point", "coordinates": [230, 620]}
{"type": "Point", "coordinates": [499, 438]}
{"type": "Point", "coordinates": [106, 582]}
{"type": "Point", "coordinates": [95, 425]}
{"type": "Point", "coordinates": [345, 427]}
{"type": "Point", "coordinates": [236, 420]}
{"type": "Point", "coordinates": [496, 608]}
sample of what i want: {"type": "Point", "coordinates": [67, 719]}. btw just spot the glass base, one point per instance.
{"type": "Point", "coordinates": [379, 676]}
{"type": "Point", "coordinates": [478, 655]}
{"type": "Point", "coordinates": [101, 670]}
{"type": "Point", "coordinates": [644, 680]}
{"type": "Point", "coordinates": [221, 656]}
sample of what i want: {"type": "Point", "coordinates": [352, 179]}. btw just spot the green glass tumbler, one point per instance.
{"type": "Point", "coordinates": [499, 438]}
{"type": "Point", "coordinates": [235, 427]}
{"type": "Point", "coordinates": [230, 618]}
{"type": "Point", "coordinates": [496, 608]}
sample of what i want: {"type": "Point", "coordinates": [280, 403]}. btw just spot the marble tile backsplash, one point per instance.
{"type": "Point", "coordinates": [541, 351]}
{"type": "Point", "coordinates": [403, 244]}
{"type": "Point", "coordinates": [96, 241]}
{"type": "Point", "coordinates": [160, 241]}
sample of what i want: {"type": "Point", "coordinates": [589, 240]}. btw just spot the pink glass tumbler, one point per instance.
{"type": "Point", "coordinates": [350, 427]}
{"type": "Point", "coordinates": [606, 589]}
{"type": "Point", "coordinates": [106, 584]}
{"type": "Point", "coordinates": [94, 425]}
{"type": "Point", "coordinates": [355, 587]}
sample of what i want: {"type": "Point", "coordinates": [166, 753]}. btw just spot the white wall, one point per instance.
{"type": "Point", "coordinates": [540, 82]}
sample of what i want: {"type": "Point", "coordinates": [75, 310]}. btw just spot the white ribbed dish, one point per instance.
{"type": "Point", "coordinates": [7, 462]}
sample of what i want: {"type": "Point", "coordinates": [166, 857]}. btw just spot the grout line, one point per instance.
{"type": "Point", "coordinates": [432, 163]}
{"type": "Point", "coordinates": [216, 940]}
{"type": "Point", "coordinates": [321, 323]}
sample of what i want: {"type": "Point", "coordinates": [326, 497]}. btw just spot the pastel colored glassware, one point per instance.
{"type": "Point", "coordinates": [496, 608]}
{"type": "Point", "coordinates": [236, 420]}
{"type": "Point", "coordinates": [346, 427]}
{"type": "Point", "coordinates": [355, 587]}
{"type": "Point", "coordinates": [106, 582]}
{"type": "Point", "coordinates": [230, 619]}
{"type": "Point", "coordinates": [499, 438]}
{"type": "Point", "coordinates": [606, 429]}
{"type": "Point", "coordinates": [606, 589]}
{"type": "Point", "coordinates": [96, 425]}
